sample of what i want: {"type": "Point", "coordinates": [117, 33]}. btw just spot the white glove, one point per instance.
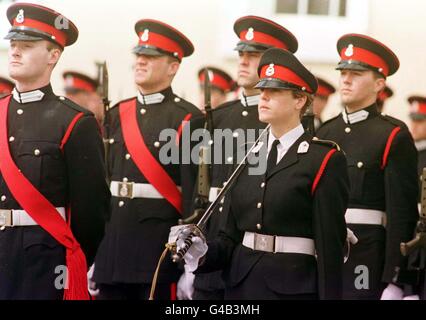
{"type": "Point", "coordinates": [412, 297]}
{"type": "Point", "coordinates": [350, 236]}
{"type": "Point", "coordinates": [197, 249]}
{"type": "Point", "coordinates": [185, 285]}
{"type": "Point", "coordinates": [392, 292]}
{"type": "Point", "coordinates": [91, 285]}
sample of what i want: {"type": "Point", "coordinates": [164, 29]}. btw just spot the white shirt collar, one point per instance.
{"type": "Point", "coordinates": [420, 145]}
{"type": "Point", "coordinates": [286, 140]}
{"type": "Point", "coordinates": [355, 117]}
{"type": "Point", "coordinates": [27, 97]}
{"type": "Point", "coordinates": [150, 98]}
{"type": "Point", "coordinates": [249, 101]}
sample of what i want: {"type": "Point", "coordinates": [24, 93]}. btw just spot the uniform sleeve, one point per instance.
{"type": "Point", "coordinates": [329, 206]}
{"type": "Point", "coordinates": [219, 253]}
{"type": "Point", "coordinates": [88, 192]}
{"type": "Point", "coordinates": [401, 189]}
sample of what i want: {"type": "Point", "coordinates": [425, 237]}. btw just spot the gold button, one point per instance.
{"type": "Point", "coordinates": [19, 111]}
{"type": "Point", "coordinates": [37, 152]}
{"type": "Point", "coordinates": [262, 185]}
{"type": "Point", "coordinates": [156, 144]}
{"type": "Point", "coordinates": [259, 205]}
{"type": "Point", "coordinates": [121, 203]}
{"type": "Point", "coordinates": [125, 180]}
{"type": "Point", "coordinates": [360, 164]}
{"type": "Point", "coordinates": [230, 159]}
{"type": "Point", "coordinates": [177, 99]}
{"type": "Point", "coordinates": [348, 130]}
{"type": "Point", "coordinates": [222, 201]}
{"type": "Point", "coordinates": [210, 142]}
{"type": "Point", "coordinates": [258, 226]}
{"type": "Point", "coordinates": [235, 134]}
{"type": "Point", "coordinates": [3, 198]}
{"type": "Point", "coordinates": [220, 209]}
{"type": "Point", "coordinates": [111, 141]}
{"type": "Point", "coordinates": [11, 139]}
{"type": "Point", "coordinates": [127, 156]}
{"type": "Point", "coordinates": [143, 111]}
{"type": "Point", "coordinates": [244, 113]}
{"type": "Point", "coordinates": [61, 98]}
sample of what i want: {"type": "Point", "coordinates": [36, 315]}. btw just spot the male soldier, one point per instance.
{"type": "Point", "coordinates": [418, 128]}
{"type": "Point", "coordinates": [325, 90]}
{"type": "Point", "coordinates": [221, 84]}
{"type": "Point", "coordinates": [256, 35]}
{"type": "Point", "coordinates": [382, 209]}
{"type": "Point", "coordinates": [82, 90]}
{"type": "Point", "coordinates": [52, 187]}
{"type": "Point", "coordinates": [147, 192]}
{"type": "Point", "coordinates": [383, 95]}
{"type": "Point", "coordinates": [6, 87]}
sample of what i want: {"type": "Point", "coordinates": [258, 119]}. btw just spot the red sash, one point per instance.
{"type": "Point", "coordinates": [44, 213]}
{"type": "Point", "coordinates": [142, 157]}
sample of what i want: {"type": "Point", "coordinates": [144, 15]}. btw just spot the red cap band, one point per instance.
{"type": "Point", "coordinates": [261, 37]}
{"type": "Point", "coordinates": [323, 91]}
{"type": "Point", "coordinates": [80, 84]}
{"type": "Point", "coordinates": [284, 74]}
{"type": "Point", "coordinates": [60, 36]}
{"type": "Point", "coordinates": [5, 87]}
{"type": "Point", "coordinates": [217, 81]}
{"type": "Point", "coordinates": [162, 42]}
{"type": "Point", "coordinates": [365, 56]}
{"type": "Point", "coordinates": [418, 107]}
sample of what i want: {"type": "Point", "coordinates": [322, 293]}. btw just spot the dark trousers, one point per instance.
{"type": "Point", "coordinates": [136, 291]}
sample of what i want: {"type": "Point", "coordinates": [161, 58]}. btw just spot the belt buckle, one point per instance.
{"type": "Point", "coordinates": [264, 242]}
{"type": "Point", "coordinates": [5, 219]}
{"type": "Point", "coordinates": [125, 189]}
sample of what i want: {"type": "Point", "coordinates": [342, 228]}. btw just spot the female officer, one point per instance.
{"type": "Point", "coordinates": [286, 230]}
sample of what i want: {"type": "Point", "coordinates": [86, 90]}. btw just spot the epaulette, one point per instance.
{"type": "Point", "coordinates": [329, 120]}
{"type": "Point", "coordinates": [225, 105]}
{"type": "Point", "coordinates": [187, 106]}
{"type": "Point", "coordinates": [118, 103]}
{"type": "Point", "coordinates": [392, 120]}
{"type": "Point", "coordinates": [329, 143]}
{"type": "Point", "coordinates": [73, 105]}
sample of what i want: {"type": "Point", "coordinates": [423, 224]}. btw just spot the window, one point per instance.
{"type": "Point", "coordinates": [312, 7]}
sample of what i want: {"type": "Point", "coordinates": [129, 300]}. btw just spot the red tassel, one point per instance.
{"type": "Point", "coordinates": [76, 288]}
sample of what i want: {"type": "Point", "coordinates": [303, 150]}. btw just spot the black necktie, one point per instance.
{"type": "Point", "coordinates": [273, 155]}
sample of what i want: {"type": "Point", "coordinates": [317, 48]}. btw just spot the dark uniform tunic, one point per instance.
{"type": "Point", "coordinates": [281, 203]}
{"type": "Point", "coordinates": [73, 177]}
{"type": "Point", "coordinates": [236, 117]}
{"type": "Point", "coordinates": [382, 166]}
{"type": "Point", "coordinates": [138, 228]}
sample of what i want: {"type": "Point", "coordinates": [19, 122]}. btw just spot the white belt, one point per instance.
{"type": "Point", "coordinates": [280, 244]}
{"type": "Point", "coordinates": [365, 216]}
{"type": "Point", "coordinates": [20, 218]}
{"type": "Point", "coordinates": [135, 190]}
{"type": "Point", "coordinates": [213, 193]}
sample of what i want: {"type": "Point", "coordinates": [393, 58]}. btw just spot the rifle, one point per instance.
{"type": "Point", "coordinates": [203, 181]}
{"type": "Point", "coordinates": [308, 120]}
{"type": "Point", "coordinates": [419, 240]}
{"type": "Point", "coordinates": [103, 92]}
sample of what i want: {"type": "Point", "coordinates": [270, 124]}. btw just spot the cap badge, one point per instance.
{"type": "Point", "coordinates": [270, 71]}
{"type": "Point", "coordinates": [69, 81]}
{"type": "Point", "coordinates": [145, 35]}
{"type": "Point", "coordinates": [414, 108]}
{"type": "Point", "coordinates": [20, 17]}
{"type": "Point", "coordinates": [349, 50]}
{"type": "Point", "coordinates": [250, 34]}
